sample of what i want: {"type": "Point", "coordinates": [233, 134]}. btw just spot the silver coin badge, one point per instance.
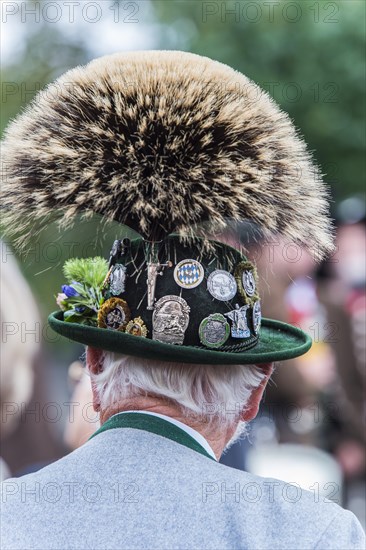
{"type": "Point", "coordinates": [257, 316]}
{"type": "Point", "coordinates": [117, 279]}
{"type": "Point", "coordinates": [238, 316]}
{"type": "Point", "coordinates": [170, 319]}
{"type": "Point", "coordinates": [222, 285]}
{"type": "Point", "coordinates": [188, 273]}
{"type": "Point", "coordinates": [214, 330]}
{"type": "Point", "coordinates": [248, 282]}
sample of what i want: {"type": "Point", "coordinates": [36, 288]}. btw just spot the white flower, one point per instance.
{"type": "Point", "coordinates": [60, 299]}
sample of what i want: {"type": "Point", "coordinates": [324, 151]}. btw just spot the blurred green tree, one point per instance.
{"type": "Point", "coordinates": [46, 55]}
{"type": "Point", "coordinates": [308, 55]}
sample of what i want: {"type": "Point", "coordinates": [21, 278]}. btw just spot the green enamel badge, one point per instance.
{"type": "Point", "coordinates": [214, 330]}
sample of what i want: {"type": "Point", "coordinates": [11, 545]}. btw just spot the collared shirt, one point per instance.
{"type": "Point", "coordinates": [190, 431]}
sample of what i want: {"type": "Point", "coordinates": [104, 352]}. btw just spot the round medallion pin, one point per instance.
{"type": "Point", "coordinates": [214, 330]}
{"type": "Point", "coordinates": [222, 285]}
{"type": "Point", "coordinates": [188, 273]}
{"type": "Point", "coordinates": [114, 314]}
{"type": "Point", "coordinates": [245, 276]}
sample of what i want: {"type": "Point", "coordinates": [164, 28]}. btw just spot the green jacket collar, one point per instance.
{"type": "Point", "coordinates": [152, 424]}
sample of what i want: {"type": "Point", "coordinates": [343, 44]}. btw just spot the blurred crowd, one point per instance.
{"type": "Point", "coordinates": [313, 409]}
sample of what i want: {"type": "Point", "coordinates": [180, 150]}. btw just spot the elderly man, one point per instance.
{"type": "Point", "coordinates": [149, 478]}
{"type": "Point", "coordinates": [177, 351]}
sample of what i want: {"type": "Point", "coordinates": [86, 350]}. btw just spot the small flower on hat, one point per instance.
{"type": "Point", "coordinates": [61, 297]}
{"type": "Point", "coordinates": [70, 290]}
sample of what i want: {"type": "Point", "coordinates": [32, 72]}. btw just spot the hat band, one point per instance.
{"type": "Point", "coordinates": [248, 344]}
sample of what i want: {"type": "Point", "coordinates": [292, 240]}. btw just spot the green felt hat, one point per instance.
{"type": "Point", "coordinates": [204, 307]}
{"type": "Point", "coordinates": [165, 143]}
{"type": "Point", "coordinates": [277, 341]}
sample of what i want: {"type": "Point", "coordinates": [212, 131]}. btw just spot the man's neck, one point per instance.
{"type": "Point", "coordinates": [216, 436]}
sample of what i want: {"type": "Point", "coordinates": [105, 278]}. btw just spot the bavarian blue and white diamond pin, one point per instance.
{"type": "Point", "coordinates": [188, 273]}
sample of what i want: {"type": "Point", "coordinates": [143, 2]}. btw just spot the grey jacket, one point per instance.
{"type": "Point", "coordinates": [130, 489]}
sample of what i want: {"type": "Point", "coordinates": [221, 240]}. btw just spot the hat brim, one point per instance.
{"type": "Point", "coordinates": [278, 341]}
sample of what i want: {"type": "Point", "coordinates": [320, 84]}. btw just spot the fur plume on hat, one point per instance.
{"type": "Point", "coordinates": [160, 141]}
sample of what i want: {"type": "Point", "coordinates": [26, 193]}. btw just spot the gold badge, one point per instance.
{"type": "Point", "coordinates": [137, 327]}
{"type": "Point", "coordinates": [114, 314]}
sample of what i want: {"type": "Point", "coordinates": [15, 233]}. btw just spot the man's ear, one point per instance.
{"type": "Point", "coordinates": [251, 410]}
{"type": "Point", "coordinates": [95, 366]}
{"type": "Point", "coordinates": [94, 360]}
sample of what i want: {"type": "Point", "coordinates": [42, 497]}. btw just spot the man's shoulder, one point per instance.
{"type": "Point", "coordinates": [286, 497]}
{"type": "Point", "coordinates": [42, 485]}
{"type": "Point", "coordinates": [105, 478]}
{"type": "Point", "coordinates": [283, 511]}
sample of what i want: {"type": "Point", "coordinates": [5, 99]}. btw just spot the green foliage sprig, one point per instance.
{"type": "Point", "coordinates": [82, 297]}
{"type": "Point", "coordinates": [88, 271]}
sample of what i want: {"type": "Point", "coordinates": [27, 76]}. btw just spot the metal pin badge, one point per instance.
{"type": "Point", "coordinates": [114, 314]}
{"type": "Point", "coordinates": [137, 327]}
{"type": "Point", "coordinates": [170, 319]}
{"type": "Point", "coordinates": [238, 316]}
{"type": "Point", "coordinates": [214, 330]}
{"type": "Point", "coordinates": [188, 273]}
{"type": "Point", "coordinates": [117, 279]}
{"type": "Point", "coordinates": [248, 282]}
{"type": "Point", "coordinates": [222, 285]}
{"type": "Point", "coordinates": [153, 270]}
{"type": "Point", "coordinates": [257, 316]}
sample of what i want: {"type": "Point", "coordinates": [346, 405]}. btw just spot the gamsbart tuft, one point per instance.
{"type": "Point", "coordinates": [161, 141]}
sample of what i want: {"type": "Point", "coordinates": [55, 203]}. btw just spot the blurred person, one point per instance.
{"type": "Point", "coordinates": [19, 353]}
{"type": "Point", "coordinates": [288, 293]}
{"type": "Point", "coordinates": [160, 141]}
{"type": "Point", "coordinates": [4, 470]}
{"type": "Point", "coordinates": [342, 291]}
{"type": "Point", "coordinates": [19, 313]}
{"type": "Point", "coordinates": [82, 421]}
{"type": "Point", "coordinates": [25, 439]}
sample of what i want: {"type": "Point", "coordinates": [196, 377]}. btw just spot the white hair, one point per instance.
{"type": "Point", "coordinates": [213, 393]}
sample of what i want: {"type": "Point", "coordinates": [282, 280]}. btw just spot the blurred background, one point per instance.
{"type": "Point", "coordinates": [309, 56]}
